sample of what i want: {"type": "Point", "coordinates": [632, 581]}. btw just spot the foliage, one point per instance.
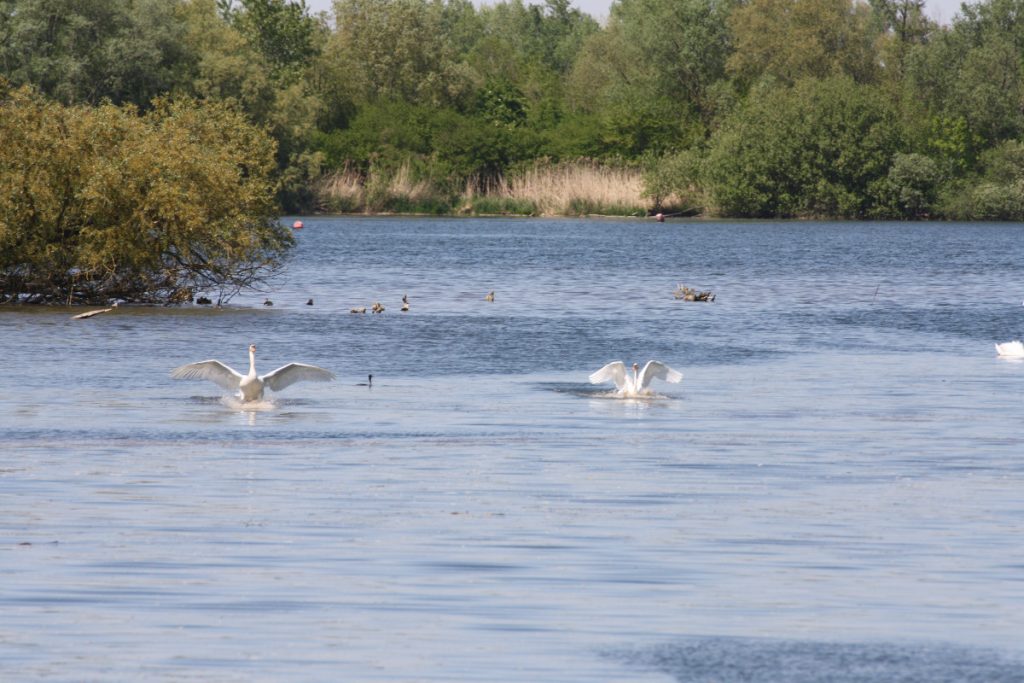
{"type": "Point", "coordinates": [972, 76]}
{"type": "Point", "coordinates": [673, 182]}
{"type": "Point", "coordinates": [456, 94]}
{"type": "Point", "coordinates": [998, 191]}
{"type": "Point", "coordinates": [104, 203]}
{"type": "Point", "coordinates": [90, 50]}
{"type": "Point", "coordinates": [817, 149]}
{"type": "Point", "coordinates": [787, 40]}
{"type": "Point", "coordinates": [281, 31]}
{"type": "Point", "coordinates": [682, 45]}
{"type": "Point", "coordinates": [397, 50]}
{"type": "Point", "coordinates": [443, 146]}
{"type": "Point", "coordinates": [911, 187]}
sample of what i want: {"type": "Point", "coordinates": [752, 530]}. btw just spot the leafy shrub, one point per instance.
{"type": "Point", "coordinates": [817, 149]}
{"type": "Point", "coordinates": [995, 193]}
{"type": "Point", "coordinates": [104, 203]}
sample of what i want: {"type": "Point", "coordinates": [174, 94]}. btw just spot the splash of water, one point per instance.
{"type": "Point", "coordinates": [237, 405]}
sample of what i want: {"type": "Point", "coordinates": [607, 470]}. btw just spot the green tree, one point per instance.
{"type": "Point", "coordinates": [91, 50]}
{"type": "Point", "coordinates": [821, 148]}
{"type": "Point", "coordinates": [911, 187]}
{"type": "Point", "coordinates": [996, 192]}
{"type": "Point", "coordinates": [282, 31]}
{"type": "Point", "coordinates": [104, 203]}
{"type": "Point", "coordinates": [971, 76]}
{"type": "Point", "coordinates": [904, 25]}
{"type": "Point", "coordinates": [651, 76]}
{"type": "Point", "coordinates": [792, 39]}
{"type": "Point", "coordinates": [399, 50]}
{"type": "Point", "coordinates": [682, 44]}
{"type": "Point", "coordinates": [229, 66]}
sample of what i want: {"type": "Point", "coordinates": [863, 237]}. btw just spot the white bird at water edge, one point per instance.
{"type": "Point", "coordinates": [250, 387]}
{"type": "Point", "coordinates": [637, 385]}
{"type": "Point", "coordinates": [1010, 349]}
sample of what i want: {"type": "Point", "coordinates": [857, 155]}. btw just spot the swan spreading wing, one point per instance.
{"type": "Point", "coordinates": [657, 370]}
{"type": "Point", "coordinates": [613, 372]}
{"type": "Point", "coordinates": [213, 370]}
{"type": "Point", "coordinates": [289, 374]}
{"type": "Point", "coordinates": [1010, 349]}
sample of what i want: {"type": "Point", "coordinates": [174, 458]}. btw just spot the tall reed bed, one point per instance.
{"type": "Point", "coordinates": [566, 189]}
{"type": "Point", "coordinates": [575, 189]}
{"type": "Point", "coordinates": [349, 191]}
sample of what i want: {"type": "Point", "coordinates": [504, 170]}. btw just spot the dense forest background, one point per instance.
{"type": "Point", "coordinates": [745, 108]}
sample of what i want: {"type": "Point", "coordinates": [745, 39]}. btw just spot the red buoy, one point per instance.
{"type": "Point", "coordinates": [297, 225]}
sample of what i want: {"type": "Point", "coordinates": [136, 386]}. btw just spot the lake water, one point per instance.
{"type": "Point", "coordinates": [835, 492]}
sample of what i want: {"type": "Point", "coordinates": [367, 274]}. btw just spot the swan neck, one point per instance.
{"type": "Point", "coordinates": [252, 362]}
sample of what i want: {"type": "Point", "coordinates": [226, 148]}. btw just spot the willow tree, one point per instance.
{"type": "Point", "coordinates": [103, 203]}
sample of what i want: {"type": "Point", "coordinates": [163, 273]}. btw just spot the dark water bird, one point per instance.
{"type": "Point", "coordinates": [250, 386]}
{"type": "Point", "coordinates": [203, 301]}
{"type": "Point", "coordinates": [309, 303]}
{"type": "Point", "coordinates": [489, 297]}
{"type": "Point", "coordinates": [367, 383]}
{"type": "Point", "coordinates": [268, 302]}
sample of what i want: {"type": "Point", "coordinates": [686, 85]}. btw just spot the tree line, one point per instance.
{"type": "Point", "coordinates": [745, 108]}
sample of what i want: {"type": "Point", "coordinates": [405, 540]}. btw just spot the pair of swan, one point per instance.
{"type": "Point", "coordinates": [250, 387]}
{"type": "Point", "coordinates": [639, 384]}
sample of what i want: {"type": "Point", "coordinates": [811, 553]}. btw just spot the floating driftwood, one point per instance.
{"type": "Point", "coordinates": [89, 314]}
{"type": "Point", "coordinates": [688, 294]}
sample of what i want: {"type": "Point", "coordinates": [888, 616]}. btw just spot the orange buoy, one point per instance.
{"type": "Point", "coordinates": [297, 225]}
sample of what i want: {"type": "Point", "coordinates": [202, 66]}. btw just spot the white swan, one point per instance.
{"type": "Point", "coordinates": [250, 387]}
{"type": "Point", "coordinates": [1010, 349]}
{"type": "Point", "coordinates": [637, 385]}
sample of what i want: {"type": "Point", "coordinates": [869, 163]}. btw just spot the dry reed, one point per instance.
{"type": "Point", "coordinates": [401, 184]}
{"type": "Point", "coordinates": [574, 188]}
{"type": "Point", "coordinates": [341, 191]}
{"type": "Point", "coordinates": [545, 189]}
{"type": "Point", "coordinates": [348, 191]}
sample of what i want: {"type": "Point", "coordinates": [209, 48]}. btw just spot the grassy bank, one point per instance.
{"type": "Point", "coordinates": [571, 189]}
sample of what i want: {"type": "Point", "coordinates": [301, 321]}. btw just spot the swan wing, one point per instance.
{"type": "Point", "coordinates": [613, 372]}
{"type": "Point", "coordinates": [1010, 348]}
{"type": "Point", "coordinates": [287, 375]}
{"type": "Point", "coordinates": [213, 370]}
{"type": "Point", "coordinates": [658, 370]}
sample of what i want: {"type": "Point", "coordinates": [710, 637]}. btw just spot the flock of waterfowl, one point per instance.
{"type": "Point", "coordinates": [251, 386]}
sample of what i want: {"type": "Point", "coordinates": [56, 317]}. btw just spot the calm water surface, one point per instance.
{"type": "Point", "coordinates": [834, 493]}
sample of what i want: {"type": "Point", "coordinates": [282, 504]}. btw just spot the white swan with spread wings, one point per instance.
{"type": "Point", "coordinates": [1010, 349]}
{"type": "Point", "coordinates": [250, 387]}
{"type": "Point", "coordinates": [639, 383]}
